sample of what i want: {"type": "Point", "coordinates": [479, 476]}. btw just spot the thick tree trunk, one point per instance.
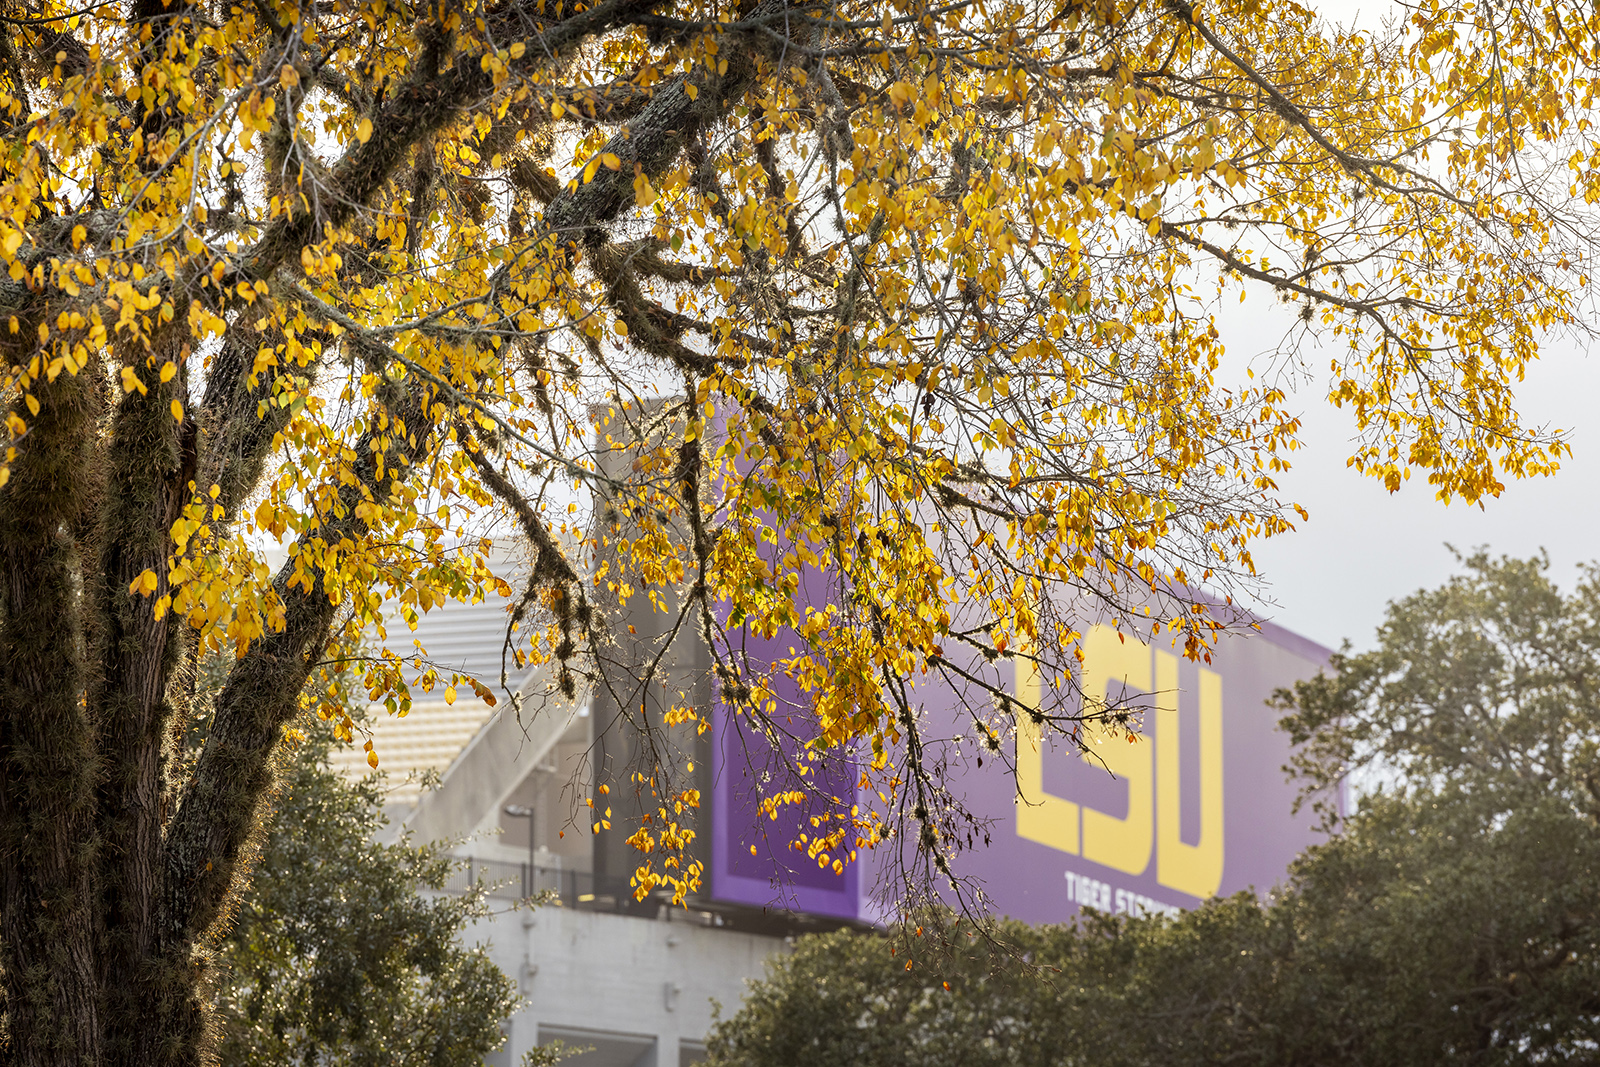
{"type": "Point", "coordinates": [216, 816]}
{"type": "Point", "coordinates": [48, 925]}
{"type": "Point", "coordinates": [151, 461]}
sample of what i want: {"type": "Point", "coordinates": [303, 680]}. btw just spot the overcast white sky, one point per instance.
{"type": "Point", "coordinates": [1363, 547]}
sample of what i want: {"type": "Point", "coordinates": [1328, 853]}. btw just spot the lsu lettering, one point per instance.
{"type": "Point", "coordinates": [1118, 664]}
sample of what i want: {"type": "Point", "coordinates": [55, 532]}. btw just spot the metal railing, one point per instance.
{"type": "Point", "coordinates": [583, 891]}
{"type": "Point", "coordinates": [575, 889]}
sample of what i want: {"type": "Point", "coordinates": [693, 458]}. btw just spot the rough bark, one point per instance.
{"type": "Point", "coordinates": [47, 834]}
{"type": "Point", "coordinates": [151, 463]}
{"type": "Point", "coordinates": [218, 808]}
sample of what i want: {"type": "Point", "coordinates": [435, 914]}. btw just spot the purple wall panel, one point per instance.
{"type": "Point", "coordinates": [746, 769]}
{"type": "Point", "coordinates": [1036, 882]}
{"type": "Point", "coordinates": [1023, 878]}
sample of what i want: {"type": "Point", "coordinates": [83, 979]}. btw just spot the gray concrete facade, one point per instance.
{"type": "Point", "coordinates": [631, 982]}
{"type": "Point", "coordinates": [637, 992]}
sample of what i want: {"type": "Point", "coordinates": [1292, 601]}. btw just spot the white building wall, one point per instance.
{"type": "Point", "coordinates": [637, 991]}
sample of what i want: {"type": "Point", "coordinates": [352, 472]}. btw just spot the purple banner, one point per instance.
{"type": "Point", "coordinates": [1199, 805]}
{"type": "Point", "coordinates": [753, 858]}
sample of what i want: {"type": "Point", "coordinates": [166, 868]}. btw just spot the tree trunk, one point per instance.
{"type": "Point", "coordinates": [48, 923]}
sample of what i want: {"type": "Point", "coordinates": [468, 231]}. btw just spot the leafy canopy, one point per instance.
{"type": "Point", "coordinates": [1488, 686]}
{"type": "Point", "coordinates": [928, 289]}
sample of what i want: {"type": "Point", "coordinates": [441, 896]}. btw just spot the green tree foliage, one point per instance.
{"type": "Point", "coordinates": [1454, 919]}
{"type": "Point", "coordinates": [1488, 685]}
{"type": "Point", "coordinates": [344, 953]}
{"type": "Point", "coordinates": [847, 999]}
{"type": "Point", "coordinates": [1464, 898]}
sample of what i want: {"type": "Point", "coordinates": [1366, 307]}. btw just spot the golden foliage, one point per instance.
{"type": "Point", "coordinates": [932, 286]}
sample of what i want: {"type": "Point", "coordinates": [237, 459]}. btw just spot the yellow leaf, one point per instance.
{"type": "Point", "coordinates": [364, 131]}
{"type": "Point", "coordinates": [177, 410]}
{"type": "Point", "coordinates": [168, 369]}
{"type": "Point", "coordinates": [644, 194]}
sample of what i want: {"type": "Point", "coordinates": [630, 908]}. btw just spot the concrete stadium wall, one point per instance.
{"type": "Point", "coordinates": [636, 991]}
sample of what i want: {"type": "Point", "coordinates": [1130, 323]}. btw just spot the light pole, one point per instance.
{"type": "Point", "coordinates": [523, 811]}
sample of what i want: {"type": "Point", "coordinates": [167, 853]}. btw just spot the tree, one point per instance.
{"type": "Point", "coordinates": [848, 999]}
{"type": "Point", "coordinates": [1487, 686]}
{"type": "Point", "coordinates": [930, 286]}
{"type": "Point", "coordinates": [1455, 919]}
{"type": "Point", "coordinates": [345, 951]}
{"type": "Point", "coordinates": [1472, 877]}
